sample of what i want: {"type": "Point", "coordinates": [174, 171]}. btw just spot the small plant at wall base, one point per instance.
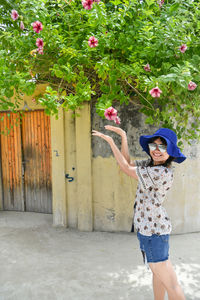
{"type": "Point", "coordinates": [146, 53]}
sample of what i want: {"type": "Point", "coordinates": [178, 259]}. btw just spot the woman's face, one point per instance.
{"type": "Point", "coordinates": [158, 156]}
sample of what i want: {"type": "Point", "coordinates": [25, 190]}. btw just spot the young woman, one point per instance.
{"type": "Point", "coordinates": [151, 221]}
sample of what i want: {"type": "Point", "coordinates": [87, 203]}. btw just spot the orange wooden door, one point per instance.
{"type": "Point", "coordinates": [11, 162]}
{"type": "Point", "coordinates": [31, 152]}
{"type": "Point", "coordinates": [37, 161]}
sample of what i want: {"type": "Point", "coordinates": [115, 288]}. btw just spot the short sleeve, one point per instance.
{"type": "Point", "coordinates": [142, 163]}
{"type": "Point", "coordinates": [160, 178]}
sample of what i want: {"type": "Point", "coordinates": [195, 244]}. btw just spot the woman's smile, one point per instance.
{"type": "Point", "coordinates": [158, 156]}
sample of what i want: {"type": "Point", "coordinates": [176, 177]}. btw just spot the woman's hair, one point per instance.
{"type": "Point", "coordinates": [168, 162]}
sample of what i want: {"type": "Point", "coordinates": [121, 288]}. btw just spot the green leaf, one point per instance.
{"type": "Point", "coordinates": [116, 2]}
{"type": "Point", "coordinates": [174, 7]}
{"type": "Point", "coordinates": [131, 34]}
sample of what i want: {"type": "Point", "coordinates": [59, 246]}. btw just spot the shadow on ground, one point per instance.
{"type": "Point", "coordinates": [39, 261]}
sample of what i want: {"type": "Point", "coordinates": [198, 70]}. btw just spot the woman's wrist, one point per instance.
{"type": "Point", "coordinates": [110, 140]}
{"type": "Point", "coordinates": [123, 134]}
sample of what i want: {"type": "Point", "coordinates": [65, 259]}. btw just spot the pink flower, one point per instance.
{"type": "Point", "coordinates": [40, 51]}
{"type": "Point", "coordinates": [87, 4]}
{"type": "Point", "coordinates": [117, 120]}
{"type": "Point", "coordinates": [22, 25]}
{"type": "Point", "coordinates": [147, 68]}
{"type": "Point", "coordinates": [155, 92]}
{"type": "Point", "coordinates": [161, 3]}
{"type": "Point", "coordinates": [92, 42]}
{"type": "Point", "coordinates": [192, 86]}
{"type": "Point", "coordinates": [39, 43]}
{"type": "Point", "coordinates": [183, 48]}
{"type": "Point", "coordinates": [37, 26]}
{"type": "Point", "coordinates": [14, 15]}
{"type": "Point", "coordinates": [97, 1]}
{"type": "Point", "coordinates": [110, 113]}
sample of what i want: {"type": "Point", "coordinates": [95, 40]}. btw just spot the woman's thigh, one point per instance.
{"type": "Point", "coordinates": [165, 272]}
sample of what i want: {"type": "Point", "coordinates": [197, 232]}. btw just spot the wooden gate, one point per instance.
{"type": "Point", "coordinates": [26, 161]}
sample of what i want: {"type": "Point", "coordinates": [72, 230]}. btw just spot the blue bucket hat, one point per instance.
{"type": "Point", "coordinates": [171, 140]}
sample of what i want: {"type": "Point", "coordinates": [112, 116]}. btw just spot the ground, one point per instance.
{"type": "Point", "coordinates": [39, 261]}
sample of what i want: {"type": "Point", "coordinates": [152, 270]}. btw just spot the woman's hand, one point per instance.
{"type": "Point", "coordinates": [123, 163]}
{"type": "Point", "coordinates": [115, 129]}
{"type": "Point", "coordinates": [107, 138]}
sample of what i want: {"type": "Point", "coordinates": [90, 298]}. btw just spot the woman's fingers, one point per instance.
{"type": "Point", "coordinates": [109, 127]}
{"type": "Point", "coordinates": [101, 135]}
{"type": "Point", "coordinates": [97, 133]}
{"type": "Point", "coordinates": [117, 130]}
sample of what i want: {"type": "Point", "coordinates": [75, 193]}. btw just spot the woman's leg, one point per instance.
{"type": "Point", "coordinates": [166, 274]}
{"type": "Point", "coordinates": [158, 288]}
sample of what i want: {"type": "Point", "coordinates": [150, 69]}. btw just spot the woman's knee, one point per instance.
{"type": "Point", "coordinates": [165, 272]}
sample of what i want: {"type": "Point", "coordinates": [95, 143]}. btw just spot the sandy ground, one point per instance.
{"type": "Point", "coordinates": [38, 261]}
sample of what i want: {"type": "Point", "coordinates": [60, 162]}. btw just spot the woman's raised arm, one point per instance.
{"type": "Point", "coordinates": [124, 165]}
{"type": "Point", "coordinates": [124, 144]}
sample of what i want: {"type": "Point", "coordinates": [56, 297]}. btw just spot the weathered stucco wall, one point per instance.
{"type": "Point", "coordinates": [183, 201]}
{"type": "Point", "coordinates": [89, 190]}
{"type": "Point", "coordinates": [114, 197]}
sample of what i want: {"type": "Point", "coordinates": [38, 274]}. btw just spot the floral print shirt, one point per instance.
{"type": "Point", "coordinates": [154, 182]}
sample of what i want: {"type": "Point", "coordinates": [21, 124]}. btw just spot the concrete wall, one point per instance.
{"type": "Point", "coordinates": [101, 197]}
{"type": "Point", "coordinates": [76, 210]}
{"type": "Point", "coordinates": [183, 204]}
{"type": "Point", "coordinates": [115, 196]}
{"type": "Point", "coordinates": [89, 190]}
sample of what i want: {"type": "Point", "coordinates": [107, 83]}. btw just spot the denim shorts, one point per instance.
{"type": "Point", "coordinates": [155, 248]}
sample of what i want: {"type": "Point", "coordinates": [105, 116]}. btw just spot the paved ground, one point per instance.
{"type": "Point", "coordinates": [38, 261]}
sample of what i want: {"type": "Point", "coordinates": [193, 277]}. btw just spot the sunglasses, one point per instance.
{"type": "Point", "coordinates": [153, 146]}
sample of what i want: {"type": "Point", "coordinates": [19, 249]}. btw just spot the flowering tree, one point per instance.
{"type": "Point", "coordinates": [142, 52]}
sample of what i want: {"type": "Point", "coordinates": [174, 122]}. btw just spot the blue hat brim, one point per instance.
{"type": "Point", "coordinates": [172, 149]}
